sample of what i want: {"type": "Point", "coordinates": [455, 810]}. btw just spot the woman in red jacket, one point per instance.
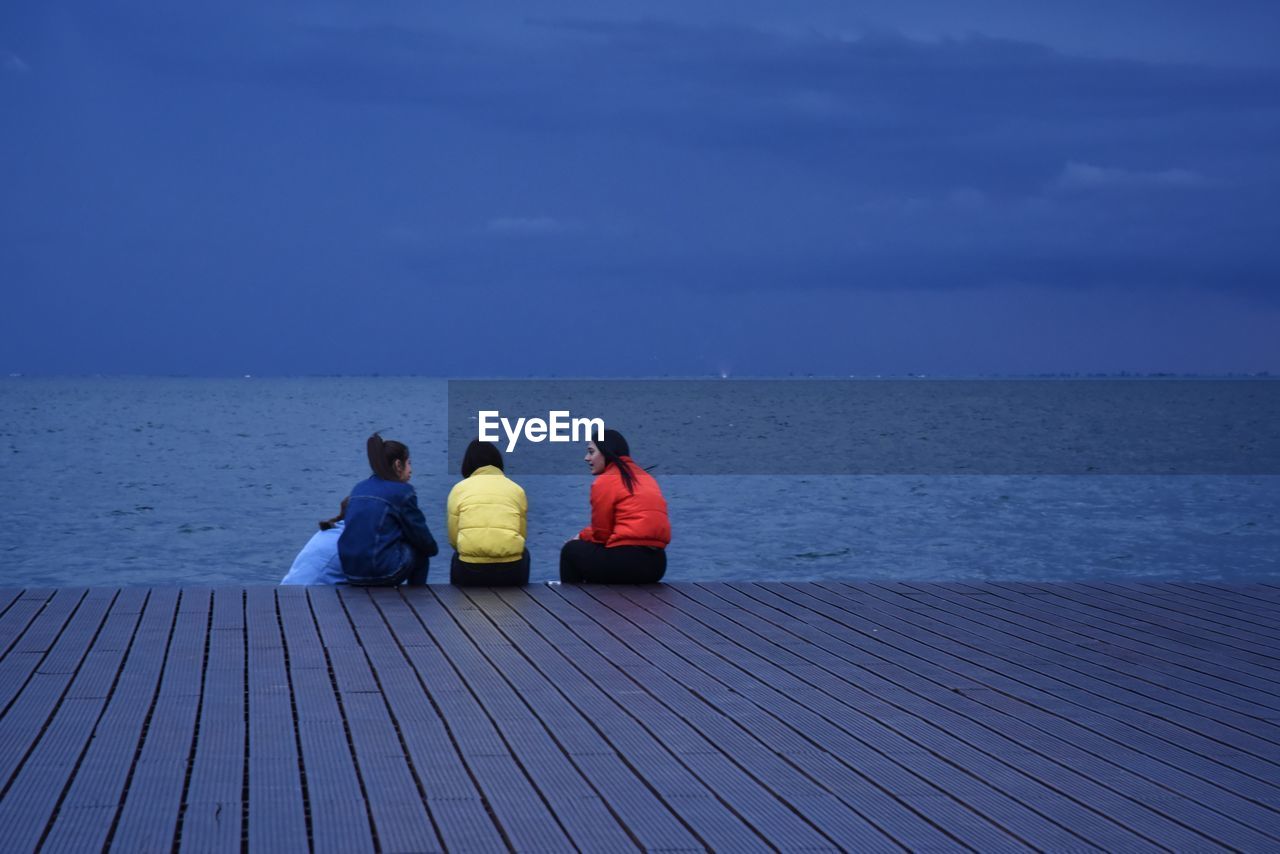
{"type": "Point", "coordinates": [629, 531]}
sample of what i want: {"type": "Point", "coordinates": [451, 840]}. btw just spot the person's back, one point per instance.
{"type": "Point", "coordinates": [626, 542]}
{"type": "Point", "coordinates": [639, 513]}
{"type": "Point", "coordinates": [487, 523]}
{"type": "Point", "coordinates": [385, 539]}
{"type": "Point", "coordinates": [318, 562]}
{"type": "Point", "coordinates": [487, 517]}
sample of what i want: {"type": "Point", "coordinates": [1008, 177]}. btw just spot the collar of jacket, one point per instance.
{"type": "Point", "coordinates": [487, 470]}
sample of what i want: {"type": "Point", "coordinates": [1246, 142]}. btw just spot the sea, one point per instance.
{"type": "Point", "coordinates": [200, 481]}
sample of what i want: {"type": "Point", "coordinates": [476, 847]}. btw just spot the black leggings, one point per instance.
{"type": "Point", "coordinates": [582, 561]}
{"type": "Point", "coordinates": [513, 573]}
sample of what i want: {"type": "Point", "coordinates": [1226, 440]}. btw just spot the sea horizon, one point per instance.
{"type": "Point", "coordinates": [182, 480]}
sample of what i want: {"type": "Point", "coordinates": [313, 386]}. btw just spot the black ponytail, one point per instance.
{"type": "Point", "coordinates": [613, 448]}
{"type": "Point", "coordinates": [384, 454]}
{"type": "Point", "coordinates": [328, 524]}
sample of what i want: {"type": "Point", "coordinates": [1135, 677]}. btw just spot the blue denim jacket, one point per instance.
{"type": "Point", "coordinates": [383, 530]}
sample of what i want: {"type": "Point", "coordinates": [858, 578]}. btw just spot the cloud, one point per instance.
{"type": "Point", "coordinates": [740, 158]}
{"type": "Point", "coordinates": [881, 111]}
{"type": "Point", "coordinates": [529, 225]}
{"type": "Point", "coordinates": [1085, 176]}
{"type": "Point", "coordinates": [940, 112]}
{"type": "Point", "coordinates": [13, 63]}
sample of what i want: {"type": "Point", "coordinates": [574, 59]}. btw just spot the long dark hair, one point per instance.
{"type": "Point", "coordinates": [327, 524]}
{"type": "Point", "coordinates": [384, 454]}
{"type": "Point", "coordinates": [613, 448]}
{"type": "Point", "coordinates": [480, 454]}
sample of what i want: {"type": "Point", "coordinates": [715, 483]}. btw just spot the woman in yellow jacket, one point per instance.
{"type": "Point", "coordinates": [487, 523]}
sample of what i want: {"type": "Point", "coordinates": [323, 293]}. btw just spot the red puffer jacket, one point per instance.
{"type": "Point", "coordinates": [622, 518]}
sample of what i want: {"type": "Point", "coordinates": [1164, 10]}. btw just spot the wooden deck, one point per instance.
{"type": "Point", "coordinates": [732, 717]}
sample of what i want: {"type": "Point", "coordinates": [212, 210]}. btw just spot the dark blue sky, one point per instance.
{"type": "Point", "coordinates": [757, 187]}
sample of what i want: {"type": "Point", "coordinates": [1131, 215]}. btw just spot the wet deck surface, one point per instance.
{"type": "Point", "coordinates": [733, 717]}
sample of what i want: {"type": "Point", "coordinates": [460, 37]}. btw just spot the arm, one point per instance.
{"type": "Point", "coordinates": [415, 527]}
{"type": "Point", "coordinates": [524, 516]}
{"type": "Point", "coordinates": [603, 504]}
{"type": "Point", "coordinates": [452, 513]}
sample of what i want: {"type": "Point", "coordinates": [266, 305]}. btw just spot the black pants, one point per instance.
{"type": "Point", "coordinates": [586, 562]}
{"type": "Point", "coordinates": [415, 572]}
{"type": "Point", "coordinates": [513, 573]}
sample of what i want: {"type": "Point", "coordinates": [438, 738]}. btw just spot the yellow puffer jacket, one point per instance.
{"type": "Point", "coordinates": [487, 517]}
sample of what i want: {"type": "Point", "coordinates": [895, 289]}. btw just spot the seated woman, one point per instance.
{"type": "Point", "coordinates": [629, 532]}
{"type": "Point", "coordinates": [487, 523]}
{"type": "Point", "coordinates": [385, 540]}
{"type": "Point", "coordinates": [318, 562]}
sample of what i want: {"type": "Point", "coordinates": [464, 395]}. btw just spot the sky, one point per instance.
{"type": "Point", "coordinates": [757, 187]}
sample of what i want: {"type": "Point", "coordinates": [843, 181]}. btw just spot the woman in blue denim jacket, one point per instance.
{"type": "Point", "coordinates": [385, 540]}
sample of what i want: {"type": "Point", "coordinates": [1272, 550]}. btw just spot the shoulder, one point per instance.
{"type": "Point", "coordinates": [515, 492]}
{"type": "Point", "coordinates": [323, 540]}
{"type": "Point", "coordinates": [607, 482]}
{"type": "Point", "coordinates": [644, 477]}
{"type": "Point", "coordinates": [509, 485]}
{"type": "Point", "coordinates": [377, 486]}
{"type": "Point", "coordinates": [503, 488]}
{"type": "Point", "coordinates": [395, 492]}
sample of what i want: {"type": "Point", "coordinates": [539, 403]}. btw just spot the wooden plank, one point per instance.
{"type": "Point", "coordinates": [1213, 730]}
{"type": "Point", "coordinates": [459, 811]}
{"type": "Point", "coordinates": [742, 716]}
{"type": "Point", "coordinates": [1180, 609]}
{"type": "Point", "coordinates": [1232, 603]}
{"type": "Point", "coordinates": [983, 621]}
{"type": "Point", "coordinates": [17, 616]}
{"type": "Point", "coordinates": [1257, 594]}
{"type": "Point", "coordinates": [37, 789]}
{"type": "Point", "coordinates": [1216, 648]}
{"type": "Point", "coordinates": [154, 792]}
{"type": "Point", "coordinates": [339, 816]}
{"type": "Point", "coordinates": [658, 747]}
{"type": "Point", "coordinates": [746, 733]}
{"type": "Point", "coordinates": [1256, 684]}
{"type": "Point", "coordinates": [36, 624]}
{"type": "Point", "coordinates": [1119, 743]}
{"type": "Point", "coordinates": [1010, 793]}
{"type": "Point", "coordinates": [1152, 625]}
{"type": "Point", "coordinates": [499, 740]}
{"type": "Point", "coordinates": [44, 633]}
{"type": "Point", "coordinates": [1196, 632]}
{"type": "Point", "coordinates": [393, 794]}
{"type": "Point", "coordinates": [84, 818]}
{"type": "Point", "coordinates": [941, 685]}
{"type": "Point", "coordinates": [59, 646]}
{"type": "Point", "coordinates": [535, 658]}
{"type": "Point", "coordinates": [277, 815]}
{"type": "Point", "coordinates": [1055, 750]}
{"type": "Point", "coordinates": [8, 595]}
{"type": "Point", "coordinates": [1125, 640]}
{"type": "Point", "coordinates": [77, 830]}
{"type": "Point", "coordinates": [851, 753]}
{"type": "Point", "coordinates": [1089, 639]}
{"type": "Point", "coordinates": [1236, 724]}
{"type": "Point", "coordinates": [213, 806]}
